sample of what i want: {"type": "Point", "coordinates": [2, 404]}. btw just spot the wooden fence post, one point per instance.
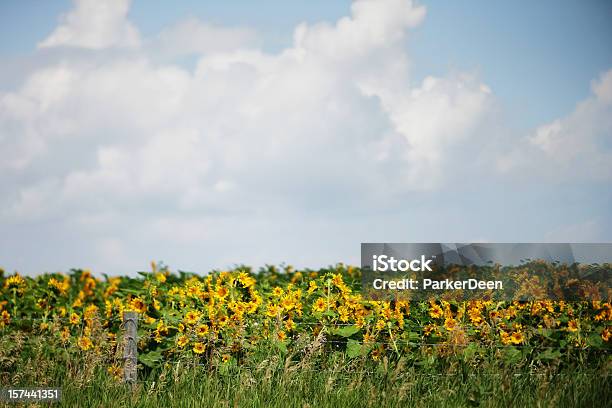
{"type": "Point", "coordinates": [130, 352]}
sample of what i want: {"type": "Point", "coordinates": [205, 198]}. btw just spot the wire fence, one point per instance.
{"type": "Point", "coordinates": [258, 325]}
{"type": "Point", "coordinates": [413, 328]}
{"type": "Point", "coordinates": [132, 338]}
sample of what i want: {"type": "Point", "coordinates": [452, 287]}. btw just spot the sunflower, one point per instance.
{"type": "Point", "coordinates": [368, 338]}
{"type": "Point", "coordinates": [344, 314]}
{"type": "Point", "coordinates": [287, 303]}
{"type": "Point", "coordinates": [376, 354]}
{"type": "Point", "coordinates": [202, 330]}
{"type": "Point", "coordinates": [429, 329]}
{"type": "Point", "coordinates": [161, 328]}
{"type": "Point", "coordinates": [5, 317]}
{"type": "Point", "coordinates": [138, 305]}
{"type": "Point", "coordinates": [192, 317]}
{"type": "Point", "coordinates": [435, 311]}
{"type": "Point", "coordinates": [199, 348]}
{"type": "Point", "coordinates": [312, 286]}
{"type": "Point", "coordinates": [246, 280]}
{"type": "Point", "coordinates": [62, 286]}
{"type": "Point", "coordinates": [75, 318]}
{"type": "Point", "coordinates": [115, 371]}
{"type": "Point", "coordinates": [450, 324]}
{"type": "Point", "coordinates": [517, 338]}
{"type": "Point", "coordinates": [337, 280]}
{"type": "Point", "coordinates": [290, 325]}
{"type": "Point", "coordinates": [223, 320]}
{"type": "Point", "coordinates": [572, 326]}
{"type": "Point", "coordinates": [273, 310]}
{"type": "Point", "coordinates": [319, 305]}
{"type": "Point", "coordinates": [221, 292]}
{"type": "Point", "coordinates": [606, 334]}
{"type": "Point", "coordinates": [15, 282]}
{"type": "Point", "coordinates": [65, 334]}
{"type": "Point", "coordinates": [182, 341]}
{"type": "Point", "coordinates": [84, 343]}
{"type": "Point", "coordinates": [505, 337]}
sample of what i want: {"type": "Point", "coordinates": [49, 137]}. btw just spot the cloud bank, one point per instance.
{"type": "Point", "coordinates": [96, 25]}
{"type": "Point", "coordinates": [113, 158]}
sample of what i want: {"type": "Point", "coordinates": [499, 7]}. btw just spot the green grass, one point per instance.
{"type": "Point", "coordinates": [330, 379]}
{"type": "Point", "coordinates": [322, 389]}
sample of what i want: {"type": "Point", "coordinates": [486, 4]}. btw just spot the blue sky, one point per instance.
{"type": "Point", "coordinates": [293, 131]}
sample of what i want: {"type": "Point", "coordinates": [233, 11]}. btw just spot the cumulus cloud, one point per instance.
{"type": "Point", "coordinates": [330, 116]}
{"type": "Point", "coordinates": [134, 155]}
{"type": "Point", "coordinates": [577, 145]}
{"type": "Point", "coordinates": [95, 25]}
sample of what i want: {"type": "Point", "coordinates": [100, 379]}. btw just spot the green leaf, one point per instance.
{"type": "Point", "coordinates": [346, 331]}
{"type": "Point", "coordinates": [595, 340]}
{"type": "Point", "coordinates": [170, 317]}
{"type": "Point", "coordinates": [470, 351]}
{"type": "Point", "coordinates": [549, 355]}
{"type": "Point", "coordinates": [355, 349]}
{"type": "Point", "coordinates": [150, 359]}
{"type": "Point", "coordinates": [512, 355]}
{"type": "Point", "coordinates": [330, 313]}
{"type": "Point", "coordinates": [545, 332]}
{"type": "Point", "coordinates": [135, 291]}
{"type": "Point", "coordinates": [281, 345]}
{"type": "Point", "coordinates": [413, 336]}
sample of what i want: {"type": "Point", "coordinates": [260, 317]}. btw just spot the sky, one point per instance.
{"type": "Point", "coordinates": [210, 134]}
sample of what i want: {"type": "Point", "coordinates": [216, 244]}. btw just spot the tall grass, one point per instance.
{"type": "Point", "coordinates": [325, 379]}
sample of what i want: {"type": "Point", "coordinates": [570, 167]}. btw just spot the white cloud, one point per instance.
{"type": "Point", "coordinates": [373, 24]}
{"type": "Point", "coordinates": [133, 156]}
{"type": "Point", "coordinates": [578, 145]}
{"type": "Point", "coordinates": [602, 88]}
{"type": "Point", "coordinates": [436, 118]}
{"type": "Point", "coordinates": [339, 96]}
{"type": "Point", "coordinates": [96, 25]}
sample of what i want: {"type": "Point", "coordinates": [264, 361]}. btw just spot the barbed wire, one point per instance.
{"type": "Point", "coordinates": [349, 375]}
{"type": "Point", "coordinates": [410, 325]}
{"type": "Point", "coordinates": [400, 343]}
{"type": "Point", "coordinates": [298, 366]}
{"type": "Point", "coordinates": [64, 319]}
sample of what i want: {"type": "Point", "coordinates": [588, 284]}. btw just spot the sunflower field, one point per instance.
{"type": "Point", "coordinates": [297, 328]}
